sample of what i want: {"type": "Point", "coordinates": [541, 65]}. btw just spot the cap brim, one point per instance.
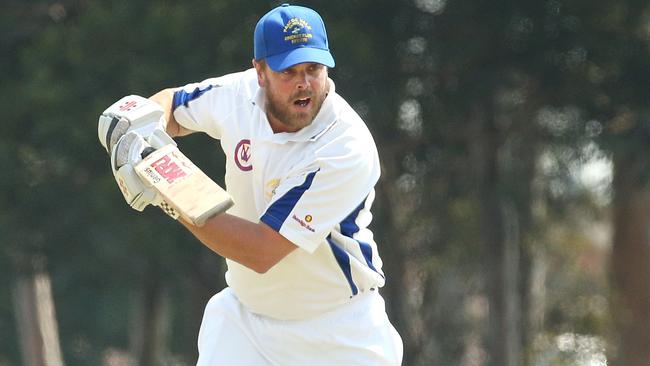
{"type": "Point", "coordinates": [298, 56]}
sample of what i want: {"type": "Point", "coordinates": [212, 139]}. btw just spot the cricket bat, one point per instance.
{"type": "Point", "coordinates": [182, 185]}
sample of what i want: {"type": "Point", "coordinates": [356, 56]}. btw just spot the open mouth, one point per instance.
{"type": "Point", "coordinates": [303, 102]}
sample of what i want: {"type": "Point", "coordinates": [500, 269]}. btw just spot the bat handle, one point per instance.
{"type": "Point", "coordinates": [147, 151]}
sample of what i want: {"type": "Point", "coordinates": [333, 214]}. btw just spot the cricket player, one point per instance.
{"type": "Point", "coordinates": [303, 268]}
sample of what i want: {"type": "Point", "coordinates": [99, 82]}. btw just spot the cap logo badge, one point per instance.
{"type": "Point", "coordinates": [299, 30]}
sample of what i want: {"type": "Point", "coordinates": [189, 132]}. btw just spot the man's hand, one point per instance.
{"type": "Point", "coordinates": [129, 150]}
{"type": "Point", "coordinates": [132, 114]}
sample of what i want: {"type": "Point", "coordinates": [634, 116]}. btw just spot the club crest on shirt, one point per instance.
{"type": "Point", "coordinates": [243, 155]}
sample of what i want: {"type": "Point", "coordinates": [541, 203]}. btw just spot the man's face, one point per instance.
{"type": "Point", "coordinates": [294, 96]}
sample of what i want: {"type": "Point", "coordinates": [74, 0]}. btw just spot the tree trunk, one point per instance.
{"type": "Point", "coordinates": [36, 320]}
{"type": "Point", "coordinates": [389, 244]}
{"type": "Point", "coordinates": [500, 236]}
{"type": "Point", "coordinates": [631, 262]}
{"type": "Point", "coordinates": [150, 324]}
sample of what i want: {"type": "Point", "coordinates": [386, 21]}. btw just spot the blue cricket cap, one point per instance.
{"type": "Point", "coordinates": [290, 35]}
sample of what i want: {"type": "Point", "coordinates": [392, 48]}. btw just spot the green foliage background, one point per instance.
{"type": "Point", "coordinates": [438, 82]}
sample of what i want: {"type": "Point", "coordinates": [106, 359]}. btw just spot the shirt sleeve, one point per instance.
{"type": "Point", "coordinates": [204, 106]}
{"type": "Point", "coordinates": [310, 204]}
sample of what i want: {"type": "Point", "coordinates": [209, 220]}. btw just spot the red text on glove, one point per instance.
{"type": "Point", "coordinates": [168, 169]}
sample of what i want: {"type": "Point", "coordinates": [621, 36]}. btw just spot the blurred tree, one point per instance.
{"type": "Point", "coordinates": [609, 78]}
{"type": "Point", "coordinates": [72, 59]}
{"type": "Point", "coordinates": [25, 270]}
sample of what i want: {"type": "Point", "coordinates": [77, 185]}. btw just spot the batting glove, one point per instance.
{"type": "Point", "coordinates": [132, 113]}
{"type": "Point", "coordinates": [129, 150]}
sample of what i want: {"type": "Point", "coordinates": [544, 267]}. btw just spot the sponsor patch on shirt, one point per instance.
{"type": "Point", "coordinates": [304, 222]}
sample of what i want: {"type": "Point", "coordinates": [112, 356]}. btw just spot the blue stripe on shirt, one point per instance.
{"type": "Point", "coordinates": [181, 97]}
{"type": "Point", "coordinates": [343, 259]}
{"type": "Point", "coordinates": [349, 227]}
{"type": "Point", "coordinates": [277, 213]}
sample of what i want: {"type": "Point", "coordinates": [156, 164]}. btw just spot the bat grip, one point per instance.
{"type": "Point", "coordinates": [147, 151]}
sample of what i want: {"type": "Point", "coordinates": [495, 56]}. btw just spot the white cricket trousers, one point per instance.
{"type": "Point", "coordinates": [357, 334]}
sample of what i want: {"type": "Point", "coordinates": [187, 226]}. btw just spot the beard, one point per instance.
{"type": "Point", "coordinates": [282, 110]}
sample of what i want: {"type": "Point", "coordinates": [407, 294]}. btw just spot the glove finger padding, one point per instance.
{"type": "Point", "coordinates": [125, 155]}
{"type": "Point", "coordinates": [115, 128]}
{"type": "Point", "coordinates": [128, 152]}
{"type": "Point", "coordinates": [131, 113]}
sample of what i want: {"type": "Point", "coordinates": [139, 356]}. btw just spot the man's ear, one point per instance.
{"type": "Point", "coordinates": [259, 69]}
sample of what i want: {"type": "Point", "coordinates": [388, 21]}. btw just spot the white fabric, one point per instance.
{"type": "Point", "coordinates": [356, 335]}
{"type": "Point", "coordinates": [335, 156]}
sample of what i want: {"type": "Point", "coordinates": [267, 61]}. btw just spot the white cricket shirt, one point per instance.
{"type": "Point", "coordinates": [314, 186]}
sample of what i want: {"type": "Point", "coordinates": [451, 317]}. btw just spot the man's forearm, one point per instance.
{"type": "Point", "coordinates": [254, 245]}
{"type": "Point", "coordinates": [166, 98]}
